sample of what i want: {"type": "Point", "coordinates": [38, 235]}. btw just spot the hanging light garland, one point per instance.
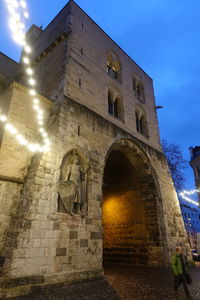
{"type": "Point", "coordinates": [182, 194]}
{"type": "Point", "coordinates": [18, 12]}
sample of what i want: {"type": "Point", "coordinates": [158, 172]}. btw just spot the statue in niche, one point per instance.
{"type": "Point", "coordinates": [73, 186]}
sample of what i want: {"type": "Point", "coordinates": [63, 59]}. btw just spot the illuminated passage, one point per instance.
{"type": "Point", "coordinates": [129, 213]}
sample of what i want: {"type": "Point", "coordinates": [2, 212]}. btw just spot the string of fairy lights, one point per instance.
{"type": "Point", "coordinates": [192, 192]}
{"type": "Point", "coordinates": [18, 13]}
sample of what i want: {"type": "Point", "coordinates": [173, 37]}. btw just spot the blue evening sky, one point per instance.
{"type": "Point", "coordinates": [162, 36]}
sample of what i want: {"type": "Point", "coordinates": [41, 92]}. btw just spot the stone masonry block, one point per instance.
{"type": "Point", "coordinates": [73, 235]}
{"type": "Point", "coordinates": [61, 251]}
{"type": "Point", "coordinates": [96, 235]}
{"type": "Point", "coordinates": [83, 243]}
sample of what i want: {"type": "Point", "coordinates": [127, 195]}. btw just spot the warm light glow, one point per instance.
{"type": "Point", "coordinates": [17, 9]}
{"type": "Point", "coordinates": [26, 60]}
{"type": "Point", "coordinates": [35, 100]}
{"type": "Point", "coordinates": [26, 14]}
{"type": "Point", "coordinates": [29, 71]}
{"type": "Point", "coordinates": [182, 194]}
{"type": "Point", "coordinates": [32, 92]}
{"type": "Point", "coordinates": [3, 118]}
{"type": "Point", "coordinates": [31, 81]}
{"type": "Point", "coordinates": [23, 4]}
{"type": "Point", "coordinates": [27, 49]}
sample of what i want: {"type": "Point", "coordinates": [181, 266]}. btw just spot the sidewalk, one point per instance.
{"type": "Point", "coordinates": [125, 283]}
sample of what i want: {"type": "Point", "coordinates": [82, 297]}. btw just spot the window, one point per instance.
{"type": "Point", "coordinates": [141, 122]}
{"type": "Point", "coordinates": [113, 66]}
{"type": "Point", "coordinates": [138, 88]}
{"type": "Point", "coordinates": [115, 106]}
{"type": "Point", "coordinates": [110, 103]}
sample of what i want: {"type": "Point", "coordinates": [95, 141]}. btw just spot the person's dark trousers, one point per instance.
{"type": "Point", "coordinates": [178, 280]}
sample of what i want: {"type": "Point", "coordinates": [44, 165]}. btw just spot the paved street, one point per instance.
{"type": "Point", "coordinates": [125, 283]}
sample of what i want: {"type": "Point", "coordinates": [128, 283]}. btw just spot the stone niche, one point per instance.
{"type": "Point", "coordinates": [72, 188]}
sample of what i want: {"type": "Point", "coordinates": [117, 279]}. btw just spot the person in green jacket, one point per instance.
{"type": "Point", "coordinates": [180, 269]}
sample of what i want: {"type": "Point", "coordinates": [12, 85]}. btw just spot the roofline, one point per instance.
{"type": "Point", "coordinates": [108, 36]}
{"type": "Point", "coordinates": [72, 1]}
{"type": "Point", "coordinates": [1, 53]}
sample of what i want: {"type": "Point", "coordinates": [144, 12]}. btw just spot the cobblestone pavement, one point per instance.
{"type": "Point", "coordinates": [123, 283]}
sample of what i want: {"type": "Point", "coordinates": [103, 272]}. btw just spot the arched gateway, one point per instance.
{"type": "Point", "coordinates": [133, 232]}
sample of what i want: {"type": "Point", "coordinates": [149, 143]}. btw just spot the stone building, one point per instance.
{"type": "Point", "coordinates": [104, 191]}
{"type": "Point", "coordinates": [191, 218]}
{"type": "Point", "coordinates": [195, 164]}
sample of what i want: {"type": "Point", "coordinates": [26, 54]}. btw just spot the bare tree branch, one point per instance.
{"type": "Point", "coordinates": [176, 163]}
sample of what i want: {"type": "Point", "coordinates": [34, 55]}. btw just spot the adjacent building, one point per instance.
{"type": "Point", "coordinates": [191, 218]}
{"type": "Point", "coordinates": [195, 164]}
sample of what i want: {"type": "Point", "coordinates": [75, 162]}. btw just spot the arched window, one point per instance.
{"type": "Point", "coordinates": [113, 66]}
{"type": "Point", "coordinates": [138, 88]}
{"type": "Point", "coordinates": [110, 103]}
{"type": "Point", "coordinates": [115, 106]}
{"type": "Point", "coordinates": [141, 123]}
{"type": "Point", "coordinates": [137, 118]}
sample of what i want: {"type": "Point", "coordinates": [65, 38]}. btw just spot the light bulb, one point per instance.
{"type": "Point", "coordinates": [23, 4]}
{"type": "Point", "coordinates": [31, 81]}
{"type": "Point", "coordinates": [36, 101]}
{"type": "Point", "coordinates": [26, 15]}
{"type": "Point", "coordinates": [3, 118]}
{"type": "Point", "coordinates": [27, 49]}
{"type": "Point", "coordinates": [36, 107]}
{"type": "Point", "coordinates": [26, 60]}
{"type": "Point", "coordinates": [39, 117]}
{"type": "Point", "coordinates": [32, 92]}
{"type": "Point", "coordinates": [31, 147]}
{"type": "Point", "coordinates": [29, 71]}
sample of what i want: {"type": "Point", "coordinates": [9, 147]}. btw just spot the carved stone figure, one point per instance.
{"type": "Point", "coordinates": [72, 188]}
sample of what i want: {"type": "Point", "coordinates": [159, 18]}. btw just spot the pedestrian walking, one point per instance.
{"type": "Point", "coordinates": [180, 268]}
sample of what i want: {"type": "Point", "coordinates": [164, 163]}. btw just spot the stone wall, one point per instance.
{"type": "Point", "coordinates": [14, 158]}
{"type": "Point", "coordinates": [87, 60]}
{"type": "Point", "coordinates": [54, 246]}
{"type": "Point", "coordinates": [10, 197]}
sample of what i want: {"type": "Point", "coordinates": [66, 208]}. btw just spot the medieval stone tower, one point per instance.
{"type": "Point", "coordinates": [103, 192]}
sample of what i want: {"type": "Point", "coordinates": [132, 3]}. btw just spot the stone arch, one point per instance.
{"type": "Point", "coordinates": [131, 211]}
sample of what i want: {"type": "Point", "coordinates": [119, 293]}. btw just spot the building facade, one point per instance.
{"type": "Point", "coordinates": [195, 164]}
{"type": "Point", "coordinates": [191, 218]}
{"type": "Point", "coordinates": [104, 192]}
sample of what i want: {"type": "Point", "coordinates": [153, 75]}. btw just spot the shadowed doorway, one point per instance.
{"type": "Point", "coordinates": [125, 218]}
